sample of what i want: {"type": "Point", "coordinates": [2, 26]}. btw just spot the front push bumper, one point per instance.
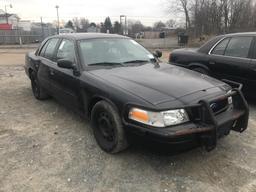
{"type": "Point", "coordinates": [209, 127]}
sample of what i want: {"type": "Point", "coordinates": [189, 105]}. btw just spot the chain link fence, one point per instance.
{"type": "Point", "coordinates": [20, 37]}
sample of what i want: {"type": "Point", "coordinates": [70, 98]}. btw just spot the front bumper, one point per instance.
{"type": "Point", "coordinates": [209, 128]}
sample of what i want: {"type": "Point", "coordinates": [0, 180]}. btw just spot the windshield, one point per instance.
{"type": "Point", "coordinates": [107, 51]}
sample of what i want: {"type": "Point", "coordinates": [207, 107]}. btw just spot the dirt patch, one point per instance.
{"type": "Point", "coordinates": [45, 147]}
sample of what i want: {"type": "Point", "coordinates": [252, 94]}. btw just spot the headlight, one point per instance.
{"type": "Point", "coordinates": [159, 119]}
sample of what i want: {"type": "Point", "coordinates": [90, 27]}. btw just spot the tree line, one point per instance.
{"type": "Point", "coordinates": [134, 26]}
{"type": "Point", "coordinates": [82, 25]}
{"type": "Point", "coordinates": [216, 16]}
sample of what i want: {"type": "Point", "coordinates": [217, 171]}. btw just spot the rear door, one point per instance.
{"type": "Point", "coordinates": [46, 59]}
{"type": "Point", "coordinates": [230, 59]}
{"type": "Point", "coordinates": [252, 76]}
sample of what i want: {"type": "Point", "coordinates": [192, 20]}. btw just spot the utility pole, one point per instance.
{"type": "Point", "coordinates": [6, 14]}
{"type": "Point", "coordinates": [58, 21]}
{"type": "Point", "coordinates": [42, 27]}
{"type": "Point", "coordinates": [124, 27]}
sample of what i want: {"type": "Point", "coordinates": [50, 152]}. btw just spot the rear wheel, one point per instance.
{"type": "Point", "coordinates": [201, 70]}
{"type": "Point", "coordinates": [38, 92]}
{"type": "Point", "coordinates": [107, 128]}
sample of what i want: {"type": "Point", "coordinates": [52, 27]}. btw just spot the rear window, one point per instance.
{"type": "Point", "coordinates": [221, 47]}
{"type": "Point", "coordinates": [205, 48]}
{"type": "Point", "coordinates": [239, 47]}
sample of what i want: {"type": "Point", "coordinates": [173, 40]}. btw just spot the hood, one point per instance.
{"type": "Point", "coordinates": [157, 84]}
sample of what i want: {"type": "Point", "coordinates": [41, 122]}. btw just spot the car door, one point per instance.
{"type": "Point", "coordinates": [45, 56]}
{"type": "Point", "coordinates": [252, 74]}
{"type": "Point", "coordinates": [230, 59]}
{"type": "Point", "coordinates": [65, 82]}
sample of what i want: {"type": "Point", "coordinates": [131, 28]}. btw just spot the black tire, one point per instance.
{"type": "Point", "coordinates": [107, 128]}
{"type": "Point", "coordinates": [38, 92]}
{"type": "Point", "coordinates": [201, 70]}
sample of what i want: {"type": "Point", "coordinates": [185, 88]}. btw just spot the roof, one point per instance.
{"type": "Point", "coordinates": [8, 15]}
{"type": "Point", "coordinates": [208, 45]}
{"type": "Point", "coordinates": [239, 34]}
{"type": "Point", "coordinates": [82, 36]}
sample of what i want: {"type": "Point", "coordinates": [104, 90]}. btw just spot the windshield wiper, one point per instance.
{"type": "Point", "coordinates": [137, 61]}
{"type": "Point", "coordinates": [106, 64]}
{"type": "Point", "coordinates": [116, 63]}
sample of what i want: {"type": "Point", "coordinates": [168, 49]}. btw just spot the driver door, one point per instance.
{"type": "Point", "coordinates": [65, 83]}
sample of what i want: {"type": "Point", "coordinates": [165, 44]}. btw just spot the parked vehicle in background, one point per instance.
{"type": "Point", "coordinates": [231, 56]}
{"type": "Point", "coordinates": [66, 31]}
{"type": "Point", "coordinates": [122, 89]}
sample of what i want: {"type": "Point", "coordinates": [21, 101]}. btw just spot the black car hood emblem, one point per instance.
{"type": "Point", "coordinates": [214, 106]}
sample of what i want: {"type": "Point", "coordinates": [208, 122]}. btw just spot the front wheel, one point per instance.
{"type": "Point", "coordinates": [107, 128]}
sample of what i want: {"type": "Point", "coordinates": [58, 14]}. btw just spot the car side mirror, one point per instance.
{"type": "Point", "coordinates": [67, 64]}
{"type": "Point", "coordinates": [158, 54]}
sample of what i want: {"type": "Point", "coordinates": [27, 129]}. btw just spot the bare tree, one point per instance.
{"type": "Point", "coordinates": [76, 24]}
{"type": "Point", "coordinates": [225, 5]}
{"type": "Point", "coordinates": [117, 27]}
{"type": "Point", "coordinates": [185, 6]}
{"type": "Point", "coordinates": [217, 16]}
{"type": "Point", "coordinates": [137, 27]}
{"type": "Point", "coordinates": [159, 25]}
{"type": "Point", "coordinates": [170, 23]}
{"type": "Point", "coordinates": [85, 24]}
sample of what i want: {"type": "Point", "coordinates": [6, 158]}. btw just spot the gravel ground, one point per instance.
{"type": "Point", "coordinates": [45, 147]}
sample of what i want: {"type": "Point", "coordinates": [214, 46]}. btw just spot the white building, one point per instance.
{"type": "Point", "coordinates": [7, 18]}
{"type": "Point", "coordinates": [26, 25]}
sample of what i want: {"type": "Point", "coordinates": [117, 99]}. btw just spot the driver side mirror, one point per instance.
{"type": "Point", "coordinates": [67, 64]}
{"type": "Point", "coordinates": [158, 54]}
{"type": "Point", "coordinates": [63, 63]}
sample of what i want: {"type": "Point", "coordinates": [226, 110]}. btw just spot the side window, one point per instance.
{"type": "Point", "coordinates": [220, 48]}
{"type": "Point", "coordinates": [43, 49]}
{"type": "Point", "coordinates": [239, 47]}
{"type": "Point", "coordinates": [50, 48]}
{"type": "Point", "coordinates": [66, 50]}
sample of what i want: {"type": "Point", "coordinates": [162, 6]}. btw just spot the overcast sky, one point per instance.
{"type": "Point", "coordinates": [148, 11]}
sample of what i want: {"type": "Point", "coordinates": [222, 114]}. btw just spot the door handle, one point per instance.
{"type": "Point", "coordinates": [212, 62]}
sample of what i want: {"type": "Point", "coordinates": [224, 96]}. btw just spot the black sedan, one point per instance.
{"type": "Point", "coordinates": [231, 56]}
{"type": "Point", "coordinates": [122, 89]}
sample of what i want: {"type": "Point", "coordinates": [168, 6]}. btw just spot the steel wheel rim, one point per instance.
{"type": "Point", "coordinates": [105, 127]}
{"type": "Point", "coordinates": [104, 130]}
